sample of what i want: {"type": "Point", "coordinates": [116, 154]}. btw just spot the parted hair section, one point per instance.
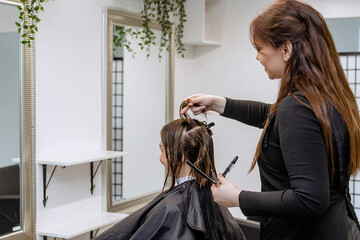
{"type": "Point", "coordinates": [188, 139]}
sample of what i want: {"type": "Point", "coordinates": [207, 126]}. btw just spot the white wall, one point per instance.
{"type": "Point", "coordinates": [69, 101]}
{"type": "Point", "coordinates": [68, 89]}
{"type": "Point", "coordinates": [336, 9]}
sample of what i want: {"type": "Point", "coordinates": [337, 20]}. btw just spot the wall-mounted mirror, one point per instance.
{"type": "Point", "coordinates": [10, 147]}
{"type": "Point", "coordinates": [15, 78]}
{"type": "Point", "coordinates": [137, 103]}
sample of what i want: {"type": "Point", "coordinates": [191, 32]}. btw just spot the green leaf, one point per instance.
{"type": "Point", "coordinates": [37, 8]}
{"type": "Point", "coordinates": [23, 1]}
{"type": "Point", "coordinates": [17, 24]}
{"type": "Point", "coordinates": [32, 38]}
{"type": "Point", "coordinates": [19, 30]}
{"type": "Point", "coordinates": [23, 42]}
{"type": "Point", "coordinates": [24, 35]}
{"type": "Point", "coordinates": [20, 8]}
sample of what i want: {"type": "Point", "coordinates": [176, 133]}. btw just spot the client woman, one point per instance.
{"type": "Point", "coordinates": [187, 209]}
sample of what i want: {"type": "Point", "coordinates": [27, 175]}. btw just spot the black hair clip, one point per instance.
{"type": "Point", "coordinates": [208, 126]}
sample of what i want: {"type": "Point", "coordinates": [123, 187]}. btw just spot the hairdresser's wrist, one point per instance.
{"type": "Point", "coordinates": [236, 198]}
{"type": "Point", "coordinates": [218, 104]}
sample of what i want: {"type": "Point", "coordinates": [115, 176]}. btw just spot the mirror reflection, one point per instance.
{"type": "Point", "coordinates": [10, 120]}
{"type": "Point", "coordinates": [346, 34]}
{"type": "Point", "coordinates": [136, 129]}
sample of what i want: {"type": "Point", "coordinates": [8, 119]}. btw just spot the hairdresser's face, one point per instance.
{"type": "Point", "coordinates": [272, 60]}
{"type": "Point", "coordinates": [162, 155]}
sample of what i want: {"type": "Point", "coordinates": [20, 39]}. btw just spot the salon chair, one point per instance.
{"type": "Point", "coordinates": [9, 198]}
{"type": "Point", "coordinates": [250, 228]}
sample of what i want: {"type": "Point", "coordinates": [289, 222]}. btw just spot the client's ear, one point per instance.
{"type": "Point", "coordinates": [286, 50]}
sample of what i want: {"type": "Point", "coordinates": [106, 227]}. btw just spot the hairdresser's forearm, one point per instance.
{"type": "Point", "coordinates": [249, 112]}
{"type": "Point", "coordinates": [218, 104]}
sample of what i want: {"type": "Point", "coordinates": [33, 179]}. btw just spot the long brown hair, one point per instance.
{"type": "Point", "coordinates": [313, 69]}
{"type": "Point", "coordinates": [192, 139]}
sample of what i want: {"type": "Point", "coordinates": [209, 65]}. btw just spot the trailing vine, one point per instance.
{"type": "Point", "coordinates": [166, 13]}
{"type": "Point", "coordinates": [28, 24]}
{"type": "Point", "coordinates": [121, 37]}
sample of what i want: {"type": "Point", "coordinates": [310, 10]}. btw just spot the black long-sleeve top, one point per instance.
{"type": "Point", "coordinates": [297, 199]}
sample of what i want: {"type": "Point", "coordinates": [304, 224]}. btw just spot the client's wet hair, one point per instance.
{"type": "Point", "coordinates": [192, 139]}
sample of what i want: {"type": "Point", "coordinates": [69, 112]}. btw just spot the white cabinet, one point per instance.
{"type": "Point", "coordinates": [204, 22]}
{"type": "Point", "coordinates": [78, 217]}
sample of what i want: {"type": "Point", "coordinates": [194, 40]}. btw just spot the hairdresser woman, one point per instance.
{"type": "Point", "coordinates": [310, 144]}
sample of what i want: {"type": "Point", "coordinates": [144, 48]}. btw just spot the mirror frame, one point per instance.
{"type": "Point", "coordinates": [119, 16]}
{"type": "Point", "coordinates": [27, 142]}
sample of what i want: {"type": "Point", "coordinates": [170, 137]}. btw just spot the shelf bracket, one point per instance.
{"type": "Point", "coordinates": [46, 184]}
{"type": "Point", "coordinates": [92, 235]}
{"type": "Point", "coordinates": [45, 238]}
{"type": "Point", "coordinates": [92, 174]}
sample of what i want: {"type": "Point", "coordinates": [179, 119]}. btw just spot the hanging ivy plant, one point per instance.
{"type": "Point", "coordinates": [163, 11]}
{"type": "Point", "coordinates": [121, 37]}
{"type": "Point", "coordinates": [28, 24]}
{"type": "Point", "coordinates": [166, 13]}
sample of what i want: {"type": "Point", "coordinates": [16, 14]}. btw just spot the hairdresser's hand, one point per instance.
{"type": "Point", "coordinates": [199, 103]}
{"type": "Point", "coordinates": [225, 193]}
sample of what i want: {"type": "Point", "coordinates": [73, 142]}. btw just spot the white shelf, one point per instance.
{"type": "Point", "coordinates": [80, 158]}
{"type": "Point", "coordinates": [76, 227]}
{"type": "Point", "coordinates": [204, 22]}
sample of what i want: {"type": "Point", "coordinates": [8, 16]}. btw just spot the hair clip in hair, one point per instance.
{"type": "Point", "coordinates": [208, 126]}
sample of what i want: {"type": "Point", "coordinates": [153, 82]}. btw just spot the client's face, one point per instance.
{"type": "Point", "coordinates": [163, 155]}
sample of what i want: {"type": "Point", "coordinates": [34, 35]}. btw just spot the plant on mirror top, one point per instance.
{"type": "Point", "coordinates": [166, 13]}
{"type": "Point", "coordinates": [28, 19]}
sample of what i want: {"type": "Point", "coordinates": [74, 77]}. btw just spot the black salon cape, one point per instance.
{"type": "Point", "coordinates": [186, 212]}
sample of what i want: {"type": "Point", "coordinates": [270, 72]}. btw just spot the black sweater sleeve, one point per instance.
{"type": "Point", "coordinates": [303, 151]}
{"type": "Point", "coordinates": [249, 112]}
